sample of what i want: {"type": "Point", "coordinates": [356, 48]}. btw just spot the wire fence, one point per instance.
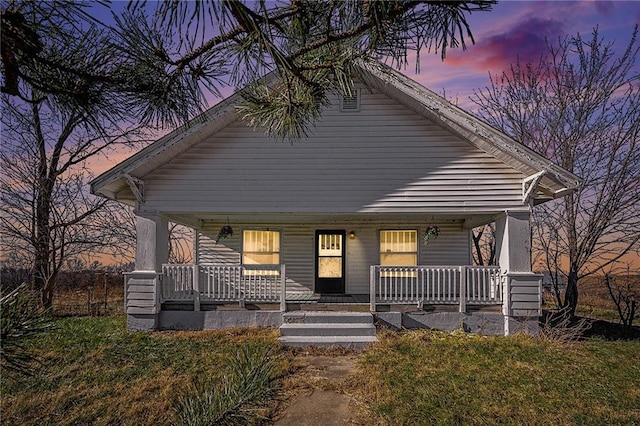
{"type": "Point", "coordinates": [93, 294]}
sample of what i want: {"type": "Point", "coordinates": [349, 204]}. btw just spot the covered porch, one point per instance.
{"type": "Point", "coordinates": [237, 292]}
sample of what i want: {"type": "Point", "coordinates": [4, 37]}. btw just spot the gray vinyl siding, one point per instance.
{"type": "Point", "coordinates": [297, 250]}
{"type": "Point", "coordinates": [384, 158]}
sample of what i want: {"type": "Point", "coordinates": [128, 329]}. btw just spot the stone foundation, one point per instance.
{"type": "Point", "coordinates": [213, 320]}
{"type": "Point", "coordinates": [486, 323]}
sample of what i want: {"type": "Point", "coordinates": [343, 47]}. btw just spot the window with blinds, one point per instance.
{"type": "Point", "coordinates": [261, 248]}
{"type": "Point", "coordinates": [399, 248]}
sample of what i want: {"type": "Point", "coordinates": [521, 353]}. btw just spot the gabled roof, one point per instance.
{"type": "Point", "coordinates": [554, 181]}
{"type": "Point", "coordinates": [545, 180]}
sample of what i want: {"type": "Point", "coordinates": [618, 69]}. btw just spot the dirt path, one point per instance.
{"type": "Point", "coordinates": [319, 385]}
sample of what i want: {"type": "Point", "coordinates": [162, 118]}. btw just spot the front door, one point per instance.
{"type": "Point", "coordinates": [330, 250]}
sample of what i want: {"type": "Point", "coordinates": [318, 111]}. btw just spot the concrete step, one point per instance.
{"type": "Point", "coordinates": [327, 317]}
{"type": "Point", "coordinates": [328, 329]}
{"type": "Point", "coordinates": [352, 342]}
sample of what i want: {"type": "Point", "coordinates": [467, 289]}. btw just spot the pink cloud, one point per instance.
{"type": "Point", "coordinates": [525, 40]}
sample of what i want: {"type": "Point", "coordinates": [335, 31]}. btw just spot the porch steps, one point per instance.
{"type": "Point", "coordinates": [328, 329]}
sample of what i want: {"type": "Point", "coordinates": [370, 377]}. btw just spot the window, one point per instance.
{"type": "Point", "coordinates": [350, 102]}
{"type": "Point", "coordinates": [399, 248]}
{"type": "Point", "coordinates": [261, 248]}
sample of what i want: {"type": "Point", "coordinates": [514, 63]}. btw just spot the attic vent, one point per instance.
{"type": "Point", "coordinates": [350, 102]}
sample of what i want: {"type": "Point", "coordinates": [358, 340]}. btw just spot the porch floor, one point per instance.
{"type": "Point", "coordinates": [327, 298]}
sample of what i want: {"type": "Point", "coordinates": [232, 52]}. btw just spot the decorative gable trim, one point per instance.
{"type": "Point", "coordinates": [555, 182]}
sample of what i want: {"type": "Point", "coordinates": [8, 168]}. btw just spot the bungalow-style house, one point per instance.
{"type": "Point", "coordinates": [372, 212]}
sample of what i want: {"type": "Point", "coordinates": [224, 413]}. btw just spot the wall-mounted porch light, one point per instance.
{"type": "Point", "coordinates": [352, 235]}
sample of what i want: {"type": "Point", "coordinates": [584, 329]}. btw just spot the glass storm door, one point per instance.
{"type": "Point", "coordinates": [330, 250]}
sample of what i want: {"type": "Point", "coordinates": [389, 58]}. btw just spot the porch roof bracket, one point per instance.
{"type": "Point", "coordinates": [562, 192]}
{"type": "Point", "coordinates": [136, 185]}
{"type": "Point", "coordinates": [530, 184]}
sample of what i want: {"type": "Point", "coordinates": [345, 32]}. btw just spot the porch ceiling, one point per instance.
{"type": "Point", "coordinates": [465, 219]}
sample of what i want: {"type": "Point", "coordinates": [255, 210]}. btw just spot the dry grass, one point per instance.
{"type": "Point", "coordinates": [594, 301]}
{"type": "Point", "coordinates": [93, 372]}
{"type": "Point", "coordinates": [89, 301]}
{"type": "Point", "coordinates": [426, 377]}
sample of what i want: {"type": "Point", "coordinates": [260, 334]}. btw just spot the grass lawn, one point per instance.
{"type": "Point", "coordinates": [93, 372]}
{"type": "Point", "coordinates": [425, 377]}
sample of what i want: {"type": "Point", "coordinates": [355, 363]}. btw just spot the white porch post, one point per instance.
{"type": "Point", "coordinates": [142, 286]}
{"type": "Point", "coordinates": [152, 242]}
{"type": "Point", "coordinates": [513, 242]}
{"type": "Point", "coordinates": [196, 268]}
{"type": "Point", "coordinates": [522, 297]}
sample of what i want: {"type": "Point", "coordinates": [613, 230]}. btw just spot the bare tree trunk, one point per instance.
{"type": "Point", "coordinates": [484, 245]}
{"type": "Point", "coordinates": [476, 243]}
{"type": "Point", "coordinates": [42, 244]}
{"type": "Point", "coordinates": [571, 292]}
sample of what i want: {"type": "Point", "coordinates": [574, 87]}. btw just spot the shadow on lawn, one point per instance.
{"type": "Point", "coordinates": [559, 323]}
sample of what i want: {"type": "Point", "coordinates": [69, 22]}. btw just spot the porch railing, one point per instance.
{"type": "Point", "coordinates": [463, 285]}
{"type": "Point", "coordinates": [223, 283]}
{"type": "Point", "coordinates": [435, 285]}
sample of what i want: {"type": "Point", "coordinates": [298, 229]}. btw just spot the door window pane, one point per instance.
{"type": "Point", "coordinates": [330, 245]}
{"type": "Point", "coordinates": [330, 267]}
{"type": "Point", "coordinates": [330, 255]}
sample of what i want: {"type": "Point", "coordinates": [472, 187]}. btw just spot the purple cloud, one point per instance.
{"type": "Point", "coordinates": [604, 8]}
{"type": "Point", "coordinates": [525, 40]}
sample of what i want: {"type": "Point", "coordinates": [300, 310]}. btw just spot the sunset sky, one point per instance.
{"type": "Point", "coordinates": [518, 29]}
{"type": "Point", "coordinates": [512, 29]}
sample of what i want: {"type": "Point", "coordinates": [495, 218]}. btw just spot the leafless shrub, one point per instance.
{"type": "Point", "coordinates": [562, 326]}
{"type": "Point", "coordinates": [623, 292]}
